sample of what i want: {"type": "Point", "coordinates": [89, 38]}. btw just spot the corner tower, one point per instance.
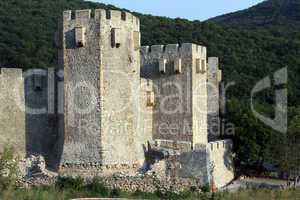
{"type": "Point", "coordinates": [179, 75]}
{"type": "Point", "coordinates": [101, 61]}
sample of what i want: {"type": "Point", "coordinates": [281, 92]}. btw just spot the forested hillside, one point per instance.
{"type": "Point", "coordinates": [251, 44]}
{"type": "Point", "coordinates": [266, 14]}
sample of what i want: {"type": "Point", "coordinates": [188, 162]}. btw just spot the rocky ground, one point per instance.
{"type": "Point", "coordinates": [34, 173]}
{"type": "Point", "coordinates": [150, 183]}
{"type": "Point", "coordinates": [246, 183]}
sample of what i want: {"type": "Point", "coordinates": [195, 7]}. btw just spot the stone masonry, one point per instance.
{"type": "Point", "coordinates": [114, 106]}
{"type": "Point", "coordinates": [12, 118]}
{"type": "Point", "coordinates": [104, 73]}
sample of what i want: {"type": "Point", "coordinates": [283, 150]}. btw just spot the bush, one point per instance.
{"type": "Point", "coordinates": [205, 188]}
{"type": "Point", "coordinates": [64, 183]}
{"type": "Point", "coordinates": [115, 193]}
{"type": "Point", "coordinates": [8, 169]}
{"type": "Point", "coordinates": [97, 186]}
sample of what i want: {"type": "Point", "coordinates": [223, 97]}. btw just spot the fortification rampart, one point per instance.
{"type": "Point", "coordinates": [81, 16]}
{"type": "Point", "coordinates": [210, 163]}
{"type": "Point", "coordinates": [184, 49]}
{"type": "Point", "coordinates": [42, 111]}
{"type": "Point", "coordinates": [12, 110]}
{"type": "Point", "coordinates": [169, 59]}
{"type": "Point", "coordinates": [221, 162]}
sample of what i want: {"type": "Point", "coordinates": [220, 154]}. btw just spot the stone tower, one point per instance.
{"type": "Point", "coordinates": [179, 75]}
{"type": "Point", "coordinates": [214, 78]}
{"type": "Point", "coordinates": [101, 61]}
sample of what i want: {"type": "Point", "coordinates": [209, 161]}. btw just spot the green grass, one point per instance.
{"type": "Point", "coordinates": [53, 193]}
{"type": "Point", "coordinates": [262, 195]}
{"type": "Point", "coordinates": [66, 188]}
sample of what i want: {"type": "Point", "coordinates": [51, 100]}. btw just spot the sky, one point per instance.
{"type": "Point", "coordinates": [188, 9]}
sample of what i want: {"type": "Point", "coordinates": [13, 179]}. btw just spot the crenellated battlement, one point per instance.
{"type": "Point", "coordinates": [11, 72]}
{"type": "Point", "coordinates": [174, 49]}
{"type": "Point", "coordinates": [84, 26]}
{"type": "Point", "coordinates": [97, 14]}
{"type": "Point", "coordinates": [220, 145]}
{"type": "Point", "coordinates": [173, 59]}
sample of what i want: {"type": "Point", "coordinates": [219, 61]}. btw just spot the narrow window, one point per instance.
{"type": "Point", "coordinates": [136, 40]}
{"type": "Point", "coordinates": [115, 37]}
{"type": "Point", "coordinates": [37, 83]}
{"type": "Point", "coordinates": [108, 14]}
{"type": "Point", "coordinates": [203, 65]}
{"type": "Point", "coordinates": [198, 66]}
{"type": "Point", "coordinates": [80, 36]}
{"type": "Point", "coordinates": [150, 99]}
{"type": "Point", "coordinates": [219, 75]}
{"type": "Point", "coordinates": [177, 66]}
{"type": "Point", "coordinates": [123, 16]}
{"type": "Point", "coordinates": [162, 66]}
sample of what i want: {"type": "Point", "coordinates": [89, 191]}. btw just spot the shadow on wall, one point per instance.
{"type": "Point", "coordinates": [43, 133]}
{"type": "Point", "coordinates": [228, 160]}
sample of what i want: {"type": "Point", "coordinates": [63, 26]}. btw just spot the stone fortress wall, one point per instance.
{"type": "Point", "coordinates": [220, 162]}
{"type": "Point", "coordinates": [211, 163]}
{"type": "Point", "coordinates": [29, 116]}
{"type": "Point", "coordinates": [42, 112]}
{"type": "Point", "coordinates": [12, 117]}
{"type": "Point", "coordinates": [115, 100]}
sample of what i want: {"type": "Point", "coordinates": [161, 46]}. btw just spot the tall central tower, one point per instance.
{"type": "Point", "coordinates": [101, 61]}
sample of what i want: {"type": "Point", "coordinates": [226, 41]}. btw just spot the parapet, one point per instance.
{"type": "Point", "coordinates": [80, 16]}
{"type": "Point", "coordinates": [185, 49]}
{"type": "Point", "coordinates": [172, 59]}
{"type": "Point", "coordinates": [220, 145]}
{"type": "Point", "coordinates": [181, 146]}
{"type": "Point", "coordinates": [11, 72]}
